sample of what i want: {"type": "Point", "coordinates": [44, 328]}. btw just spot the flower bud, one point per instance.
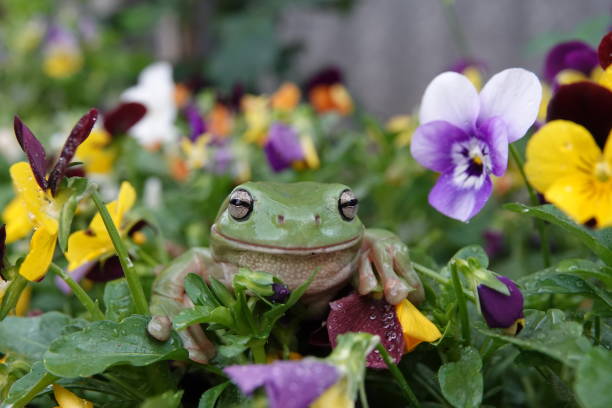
{"type": "Point", "coordinates": [500, 310]}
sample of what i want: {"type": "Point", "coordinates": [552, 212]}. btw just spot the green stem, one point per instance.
{"type": "Point", "coordinates": [362, 396]}
{"type": "Point", "coordinates": [597, 330]}
{"type": "Point", "coordinates": [463, 312]}
{"type": "Point", "coordinates": [79, 292]}
{"type": "Point", "coordinates": [440, 279]}
{"type": "Point", "coordinates": [45, 381]}
{"type": "Point", "coordinates": [533, 197]}
{"type": "Point", "coordinates": [259, 353]}
{"type": "Point", "coordinates": [397, 374]}
{"type": "Point", "coordinates": [136, 290]}
{"type": "Point", "coordinates": [12, 294]}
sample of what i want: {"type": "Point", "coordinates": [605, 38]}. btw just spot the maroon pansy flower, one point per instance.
{"type": "Point", "coordinates": [604, 51]}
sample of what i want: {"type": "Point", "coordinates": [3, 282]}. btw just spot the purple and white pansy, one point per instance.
{"type": "Point", "coordinates": [465, 135]}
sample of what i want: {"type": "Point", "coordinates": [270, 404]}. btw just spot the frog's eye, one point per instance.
{"type": "Point", "coordinates": [240, 204]}
{"type": "Point", "coordinates": [347, 205]}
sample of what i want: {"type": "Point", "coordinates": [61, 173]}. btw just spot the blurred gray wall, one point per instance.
{"type": "Point", "coordinates": [391, 49]}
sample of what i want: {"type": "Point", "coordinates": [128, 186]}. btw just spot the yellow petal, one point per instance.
{"type": "Point", "coordinates": [415, 326]}
{"type": "Point", "coordinates": [474, 75]}
{"type": "Point", "coordinates": [570, 76]}
{"type": "Point", "coordinates": [335, 396]}
{"type": "Point", "coordinates": [560, 148]}
{"type": "Point", "coordinates": [341, 98]}
{"type": "Point", "coordinates": [67, 399]}
{"type": "Point", "coordinates": [40, 204]}
{"type": "Point", "coordinates": [575, 195]}
{"type": "Point", "coordinates": [543, 110]}
{"type": "Point", "coordinates": [98, 158]}
{"type": "Point", "coordinates": [36, 263]}
{"type": "Point", "coordinates": [17, 220]}
{"type": "Point", "coordinates": [85, 246]}
{"type": "Point", "coordinates": [117, 209]}
{"type": "Point", "coordinates": [21, 308]}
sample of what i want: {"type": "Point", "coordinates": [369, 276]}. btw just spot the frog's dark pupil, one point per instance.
{"type": "Point", "coordinates": [350, 203]}
{"type": "Point", "coordinates": [239, 203]}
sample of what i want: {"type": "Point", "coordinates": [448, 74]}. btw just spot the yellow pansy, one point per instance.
{"type": "Point", "coordinates": [546, 95]}
{"type": "Point", "coordinates": [566, 165]}
{"type": "Point", "coordinates": [416, 327]}
{"type": "Point", "coordinates": [196, 152]}
{"type": "Point", "coordinates": [95, 153]}
{"type": "Point", "coordinates": [40, 210]}
{"type": "Point", "coordinates": [257, 117]}
{"type": "Point", "coordinates": [336, 396]}
{"type": "Point", "coordinates": [404, 126]}
{"type": "Point", "coordinates": [62, 62]}
{"type": "Point", "coordinates": [94, 242]}
{"type": "Point", "coordinates": [67, 399]}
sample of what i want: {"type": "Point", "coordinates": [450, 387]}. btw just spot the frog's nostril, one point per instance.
{"type": "Point", "coordinates": [317, 219]}
{"type": "Point", "coordinates": [280, 219]}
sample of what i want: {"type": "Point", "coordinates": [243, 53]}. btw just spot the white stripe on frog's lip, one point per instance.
{"type": "Point", "coordinates": [273, 249]}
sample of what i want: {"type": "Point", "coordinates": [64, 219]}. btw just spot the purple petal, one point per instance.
{"type": "Point", "coordinates": [33, 150]}
{"type": "Point", "coordinates": [123, 117]}
{"type": "Point", "coordinates": [197, 125]}
{"type": "Point", "coordinates": [282, 147]}
{"type": "Point", "coordinates": [459, 203]}
{"type": "Point", "coordinates": [513, 95]}
{"type": "Point", "coordinates": [77, 274]}
{"type": "Point", "coordinates": [604, 51]}
{"type": "Point", "coordinates": [494, 132]}
{"type": "Point", "coordinates": [450, 97]}
{"type": "Point", "coordinates": [499, 310]}
{"type": "Point", "coordinates": [107, 270]}
{"type": "Point", "coordinates": [432, 143]}
{"type": "Point", "coordinates": [355, 313]}
{"type": "Point", "coordinates": [78, 134]}
{"type": "Point", "coordinates": [461, 65]}
{"type": "Point", "coordinates": [288, 384]}
{"type": "Point", "coordinates": [576, 55]}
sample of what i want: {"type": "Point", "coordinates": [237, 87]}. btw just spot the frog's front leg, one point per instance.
{"type": "Point", "coordinates": [385, 255]}
{"type": "Point", "coordinates": [169, 298]}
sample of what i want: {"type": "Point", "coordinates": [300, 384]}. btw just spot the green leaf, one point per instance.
{"type": "Point", "coordinates": [600, 241]}
{"type": "Point", "coordinates": [593, 381]}
{"type": "Point", "coordinates": [210, 397]}
{"type": "Point", "coordinates": [473, 251]}
{"type": "Point", "coordinates": [105, 344]}
{"type": "Point", "coordinates": [461, 382]}
{"type": "Point", "coordinates": [30, 336]}
{"type": "Point", "coordinates": [65, 221]}
{"type": "Point", "coordinates": [203, 314]}
{"type": "Point", "coordinates": [551, 281]}
{"type": "Point", "coordinates": [587, 269]}
{"type": "Point", "coordinates": [169, 399]}
{"type": "Point", "coordinates": [550, 334]}
{"type": "Point", "coordinates": [199, 292]}
{"type": "Point", "coordinates": [118, 300]}
{"type": "Point", "coordinates": [222, 293]}
{"type": "Point", "coordinates": [28, 386]}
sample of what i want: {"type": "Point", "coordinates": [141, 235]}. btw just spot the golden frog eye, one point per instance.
{"type": "Point", "coordinates": [347, 205]}
{"type": "Point", "coordinates": [240, 204]}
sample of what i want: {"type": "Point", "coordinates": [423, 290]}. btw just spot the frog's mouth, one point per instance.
{"type": "Point", "coordinates": [274, 249]}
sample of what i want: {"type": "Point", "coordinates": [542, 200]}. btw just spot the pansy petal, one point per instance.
{"type": "Point", "coordinates": [495, 133]}
{"type": "Point", "coordinates": [560, 148]}
{"type": "Point", "coordinates": [106, 270]}
{"type": "Point", "coordinates": [117, 209]}
{"type": "Point", "coordinates": [283, 147]}
{"type": "Point", "coordinates": [450, 97]}
{"type": "Point", "coordinates": [355, 313]}
{"type": "Point", "coordinates": [36, 263]}
{"type": "Point", "coordinates": [604, 51]}
{"type": "Point", "coordinates": [288, 384]}
{"type": "Point", "coordinates": [17, 219]}
{"type": "Point", "coordinates": [123, 117]}
{"type": "Point", "coordinates": [79, 133]}
{"type": "Point", "coordinates": [77, 275]}
{"type": "Point", "coordinates": [416, 327]}
{"type": "Point", "coordinates": [500, 310]}
{"type": "Point", "coordinates": [458, 203]}
{"type": "Point", "coordinates": [39, 204]}
{"type": "Point", "coordinates": [572, 194]}
{"type": "Point", "coordinates": [84, 247]}
{"type": "Point", "coordinates": [576, 55]}
{"type": "Point", "coordinates": [33, 150]}
{"type": "Point", "coordinates": [432, 143]}
{"type": "Point", "coordinates": [513, 95]}
{"type": "Point", "coordinates": [67, 399]}
{"type": "Point", "coordinates": [585, 103]}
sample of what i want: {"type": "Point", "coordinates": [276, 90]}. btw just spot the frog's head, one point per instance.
{"type": "Point", "coordinates": [286, 217]}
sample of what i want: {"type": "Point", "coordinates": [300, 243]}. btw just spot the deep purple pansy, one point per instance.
{"type": "Point", "coordinates": [281, 293]}
{"type": "Point", "coordinates": [604, 51]}
{"type": "Point", "coordinates": [574, 55]}
{"type": "Point", "coordinates": [36, 153]}
{"type": "Point", "coordinates": [501, 311]}
{"type": "Point", "coordinates": [355, 313]}
{"type": "Point", "coordinates": [461, 65]}
{"type": "Point", "coordinates": [120, 119]}
{"type": "Point", "coordinates": [465, 135]}
{"type": "Point", "coordinates": [587, 104]}
{"type": "Point", "coordinates": [197, 126]}
{"type": "Point", "coordinates": [96, 271]}
{"type": "Point", "coordinates": [288, 384]}
{"type": "Point", "coordinates": [282, 147]}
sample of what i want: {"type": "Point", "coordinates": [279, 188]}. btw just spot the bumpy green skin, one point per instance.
{"type": "Point", "coordinates": [292, 230]}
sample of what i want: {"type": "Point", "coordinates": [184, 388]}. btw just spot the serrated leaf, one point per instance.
{"type": "Point", "coordinates": [600, 241]}
{"type": "Point", "coordinates": [550, 334]}
{"type": "Point", "coordinates": [461, 381]}
{"type": "Point", "coordinates": [104, 344]}
{"type": "Point", "coordinates": [593, 381]}
{"type": "Point", "coordinates": [210, 397]}
{"type": "Point", "coordinates": [118, 300]}
{"type": "Point", "coordinates": [30, 337]}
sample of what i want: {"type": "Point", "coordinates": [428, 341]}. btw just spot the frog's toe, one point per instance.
{"type": "Point", "coordinates": [395, 290]}
{"type": "Point", "coordinates": [367, 282]}
{"type": "Point", "coordinates": [200, 349]}
{"type": "Point", "coordinates": [403, 267]}
{"type": "Point", "coordinates": [160, 327]}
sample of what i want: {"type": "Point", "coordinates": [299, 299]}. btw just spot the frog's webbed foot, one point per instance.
{"type": "Point", "coordinates": [386, 256]}
{"type": "Point", "coordinates": [169, 299]}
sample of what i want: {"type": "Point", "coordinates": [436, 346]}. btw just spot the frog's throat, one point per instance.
{"type": "Point", "coordinates": [273, 249]}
